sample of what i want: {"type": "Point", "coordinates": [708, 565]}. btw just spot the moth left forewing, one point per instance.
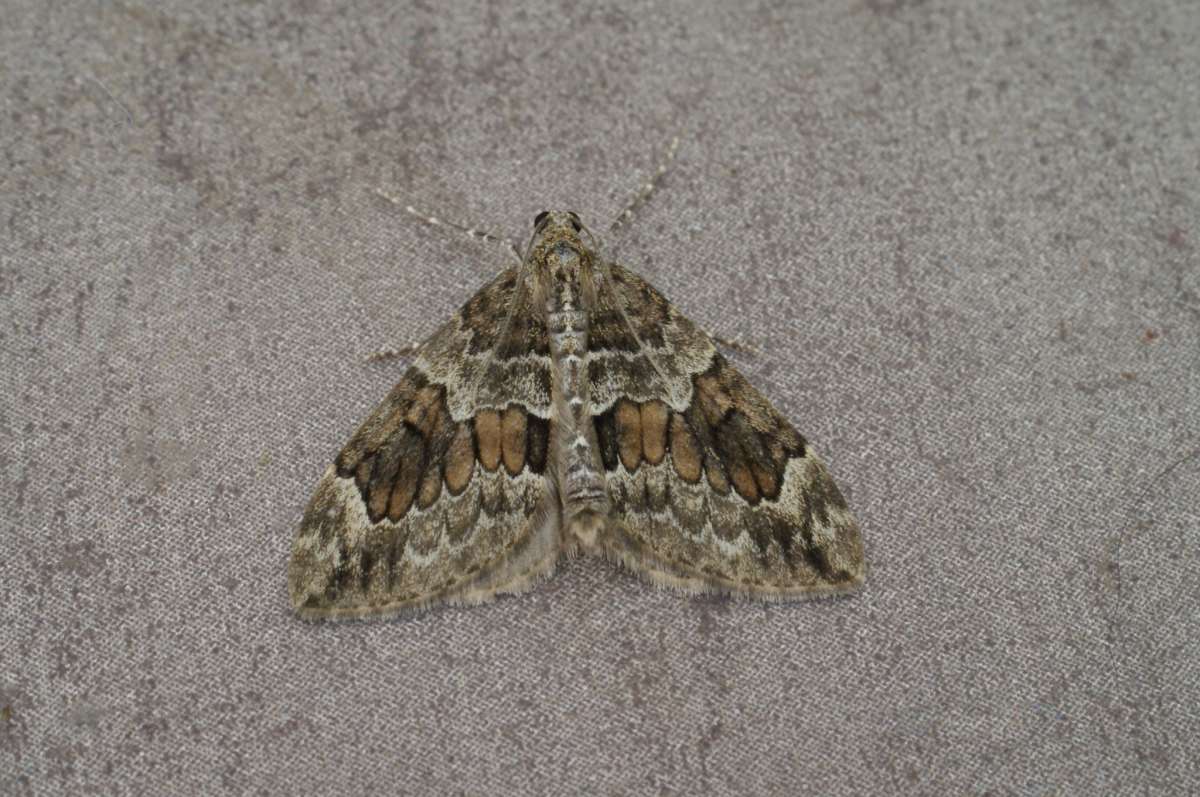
{"type": "Point", "coordinates": [442, 495]}
{"type": "Point", "coordinates": [712, 489]}
{"type": "Point", "coordinates": [345, 565]}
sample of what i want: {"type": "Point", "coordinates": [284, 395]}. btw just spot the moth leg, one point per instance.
{"type": "Point", "coordinates": [734, 345]}
{"type": "Point", "coordinates": [382, 355]}
{"type": "Point", "coordinates": [646, 189]}
{"type": "Point", "coordinates": [477, 233]}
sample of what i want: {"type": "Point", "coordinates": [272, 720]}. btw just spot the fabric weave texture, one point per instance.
{"type": "Point", "coordinates": [963, 239]}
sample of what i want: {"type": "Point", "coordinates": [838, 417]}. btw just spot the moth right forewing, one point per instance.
{"type": "Point", "coordinates": [736, 501]}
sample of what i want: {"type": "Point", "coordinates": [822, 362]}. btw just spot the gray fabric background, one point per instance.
{"type": "Point", "coordinates": [965, 242]}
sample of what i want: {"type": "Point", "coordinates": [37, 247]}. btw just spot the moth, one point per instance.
{"type": "Point", "coordinates": [568, 407]}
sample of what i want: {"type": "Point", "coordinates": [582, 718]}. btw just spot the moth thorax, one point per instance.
{"type": "Point", "coordinates": [581, 483]}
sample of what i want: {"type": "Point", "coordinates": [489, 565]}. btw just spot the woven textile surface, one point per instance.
{"type": "Point", "coordinates": [962, 239]}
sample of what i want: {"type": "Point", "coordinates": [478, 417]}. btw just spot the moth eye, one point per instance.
{"type": "Point", "coordinates": [575, 222]}
{"type": "Point", "coordinates": [539, 218]}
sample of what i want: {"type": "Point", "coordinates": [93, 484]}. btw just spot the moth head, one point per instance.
{"type": "Point", "coordinates": [560, 217]}
{"type": "Point", "coordinates": [556, 241]}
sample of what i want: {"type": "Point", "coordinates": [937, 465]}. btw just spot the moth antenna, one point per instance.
{"type": "Point", "coordinates": [128, 116]}
{"type": "Point", "coordinates": [592, 239]}
{"type": "Point", "coordinates": [477, 233]}
{"type": "Point", "coordinates": [647, 188]}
